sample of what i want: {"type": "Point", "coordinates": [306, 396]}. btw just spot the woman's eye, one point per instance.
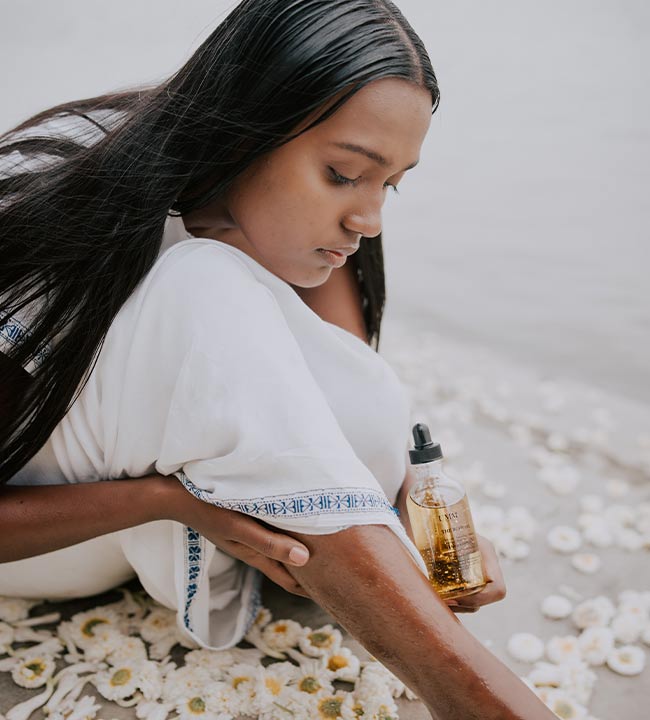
{"type": "Point", "coordinates": [341, 179]}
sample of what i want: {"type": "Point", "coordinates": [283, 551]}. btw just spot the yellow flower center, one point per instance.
{"type": "Point", "coordinates": [121, 677]}
{"type": "Point", "coordinates": [273, 686]}
{"type": "Point", "coordinates": [563, 710]}
{"type": "Point", "coordinates": [282, 628]}
{"type": "Point", "coordinates": [309, 685]}
{"type": "Point", "coordinates": [384, 714]}
{"type": "Point", "coordinates": [320, 639]}
{"type": "Point", "coordinates": [238, 681]}
{"type": "Point", "coordinates": [358, 710]}
{"type": "Point", "coordinates": [89, 626]}
{"type": "Point", "coordinates": [336, 662]}
{"type": "Point", "coordinates": [196, 705]}
{"type": "Point", "coordinates": [37, 667]}
{"type": "Point", "coordinates": [330, 707]}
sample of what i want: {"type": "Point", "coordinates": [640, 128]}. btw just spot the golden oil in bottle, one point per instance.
{"type": "Point", "coordinates": [442, 524]}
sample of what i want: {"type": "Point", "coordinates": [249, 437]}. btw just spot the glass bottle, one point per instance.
{"type": "Point", "coordinates": [442, 524]}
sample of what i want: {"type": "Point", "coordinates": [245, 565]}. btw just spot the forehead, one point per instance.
{"type": "Point", "coordinates": [391, 116]}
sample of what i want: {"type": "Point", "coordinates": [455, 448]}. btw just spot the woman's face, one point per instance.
{"type": "Point", "coordinates": [325, 189]}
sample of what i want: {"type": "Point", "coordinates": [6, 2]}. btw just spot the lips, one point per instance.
{"type": "Point", "coordinates": [342, 251]}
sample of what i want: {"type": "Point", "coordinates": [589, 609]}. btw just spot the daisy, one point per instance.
{"type": "Point", "coordinates": [344, 665]}
{"type": "Point", "coordinates": [14, 609]}
{"type": "Point", "coordinates": [595, 644]}
{"type": "Point", "coordinates": [626, 660]}
{"type": "Point", "coordinates": [214, 661]}
{"type": "Point", "coordinates": [378, 679]}
{"type": "Point", "coordinates": [117, 683]}
{"type": "Point", "coordinates": [33, 671]}
{"type": "Point", "coordinates": [564, 706]}
{"type": "Point", "coordinates": [587, 563]}
{"type": "Point", "coordinates": [627, 627]}
{"type": "Point", "coordinates": [594, 612]}
{"type": "Point", "coordinates": [96, 632]}
{"type": "Point", "coordinates": [525, 647]}
{"type": "Point", "coordinates": [578, 680]}
{"type": "Point", "coordinates": [282, 634]}
{"type": "Point", "coordinates": [148, 710]}
{"type": "Point", "coordinates": [556, 607]}
{"type": "Point", "coordinates": [199, 707]}
{"type": "Point", "coordinates": [563, 649]}
{"type": "Point", "coordinates": [591, 503]}
{"type": "Point", "coordinates": [130, 650]}
{"type": "Point", "coordinates": [317, 643]}
{"type": "Point", "coordinates": [545, 675]}
{"type": "Point", "coordinates": [629, 539]}
{"type": "Point", "coordinates": [185, 682]}
{"type": "Point", "coordinates": [312, 678]}
{"type": "Point", "coordinates": [563, 539]}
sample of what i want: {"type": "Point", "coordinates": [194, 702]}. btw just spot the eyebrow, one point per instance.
{"type": "Point", "coordinates": [377, 157]}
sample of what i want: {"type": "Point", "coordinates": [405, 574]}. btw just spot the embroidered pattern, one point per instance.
{"type": "Point", "coordinates": [301, 504]}
{"type": "Point", "coordinates": [12, 331]}
{"type": "Point", "coordinates": [193, 556]}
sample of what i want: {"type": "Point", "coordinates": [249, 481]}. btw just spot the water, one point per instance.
{"type": "Point", "coordinates": [524, 229]}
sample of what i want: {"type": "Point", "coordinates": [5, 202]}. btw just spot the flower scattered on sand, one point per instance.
{"type": "Point", "coordinates": [626, 660]}
{"type": "Point", "coordinates": [14, 609]}
{"type": "Point", "coordinates": [282, 634]}
{"type": "Point", "coordinates": [564, 539]}
{"type": "Point", "coordinates": [344, 665]}
{"type": "Point", "coordinates": [33, 671]}
{"type": "Point", "coordinates": [525, 647]}
{"type": "Point", "coordinates": [563, 649]}
{"type": "Point", "coordinates": [556, 607]}
{"type": "Point", "coordinates": [595, 644]}
{"type": "Point", "coordinates": [117, 683]}
{"type": "Point", "coordinates": [564, 706]}
{"type": "Point", "coordinates": [587, 563]}
{"type": "Point", "coordinates": [595, 612]}
{"type": "Point", "coordinates": [320, 642]}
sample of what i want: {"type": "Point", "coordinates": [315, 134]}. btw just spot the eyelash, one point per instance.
{"type": "Point", "coordinates": [342, 180]}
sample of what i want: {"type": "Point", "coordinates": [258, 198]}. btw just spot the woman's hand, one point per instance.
{"type": "Point", "coordinates": [495, 589]}
{"type": "Point", "coordinates": [238, 535]}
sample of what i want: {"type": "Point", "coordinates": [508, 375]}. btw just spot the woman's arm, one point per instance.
{"type": "Point", "coordinates": [382, 599]}
{"type": "Point", "coordinates": [40, 519]}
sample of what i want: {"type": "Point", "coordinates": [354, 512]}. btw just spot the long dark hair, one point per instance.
{"type": "Point", "coordinates": [80, 231]}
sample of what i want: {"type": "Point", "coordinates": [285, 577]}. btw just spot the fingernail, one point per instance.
{"type": "Point", "coordinates": [298, 555]}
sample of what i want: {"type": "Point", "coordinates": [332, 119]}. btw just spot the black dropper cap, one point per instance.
{"type": "Point", "coordinates": [425, 449]}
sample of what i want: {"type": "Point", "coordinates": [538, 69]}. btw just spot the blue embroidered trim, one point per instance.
{"type": "Point", "coordinates": [300, 504]}
{"type": "Point", "coordinates": [193, 557]}
{"type": "Point", "coordinates": [13, 331]}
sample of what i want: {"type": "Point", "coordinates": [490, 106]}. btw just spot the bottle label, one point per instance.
{"type": "Point", "coordinates": [447, 541]}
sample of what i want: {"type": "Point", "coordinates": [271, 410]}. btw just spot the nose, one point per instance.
{"type": "Point", "coordinates": [364, 220]}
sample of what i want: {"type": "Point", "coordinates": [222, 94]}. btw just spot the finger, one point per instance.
{"type": "Point", "coordinates": [272, 545]}
{"type": "Point", "coordinates": [272, 569]}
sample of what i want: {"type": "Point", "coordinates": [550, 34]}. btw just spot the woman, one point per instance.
{"type": "Point", "coordinates": [275, 144]}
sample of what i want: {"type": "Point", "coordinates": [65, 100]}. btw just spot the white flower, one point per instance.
{"type": "Point", "coordinates": [629, 539]}
{"type": "Point", "coordinates": [627, 627]}
{"type": "Point", "coordinates": [598, 532]}
{"type": "Point", "coordinates": [617, 488]}
{"type": "Point", "coordinates": [312, 677]}
{"type": "Point", "coordinates": [595, 644]}
{"type": "Point", "coordinates": [14, 609]}
{"type": "Point", "coordinates": [150, 710]}
{"type": "Point", "coordinates": [564, 706]}
{"type": "Point", "coordinates": [263, 618]}
{"type": "Point", "coordinates": [563, 649]}
{"type": "Point", "coordinates": [508, 546]}
{"type": "Point", "coordinates": [587, 563]}
{"type": "Point", "coordinates": [204, 706]}
{"type": "Point", "coordinates": [159, 623]}
{"type": "Point", "coordinates": [556, 607]}
{"type": "Point", "coordinates": [377, 679]}
{"type": "Point", "coordinates": [96, 632]}
{"type": "Point", "coordinates": [591, 503]}
{"type": "Point", "coordinates": [117, 683]}
{"type": "Point", "coordinates": [344, 665]}
{"type": "Point", "coordinates": [546, 675]}
{"type": "Point", "coordinates": [24, 710]}
{"type": "Point", "coordinates": [282, 634]}
{"type": "Point", "coordinates": [626, 660]}
{"type": "Point", "coordinates": [185, 682]}
{"type": "Point", "coordinates": [33, 671]}
{"type": "Point", "coordinates": [564, 539]}
{"type": "Point", "coordinates": [320, 642]}
{"type": "Point", "coordinates": [130, 650]}
{"type": "Point", "coordinates": [525, 647]}
{"type": "Point", "coordinates": [578, 680]}
{"type": "Point", "coordinates": [594, 612]}
{"type": "Point", "coordinates": [273, 685]}
{"type": "Point", "coordinates": [560, 479]}
{"type": "Point", "coordinates": [214, 661]}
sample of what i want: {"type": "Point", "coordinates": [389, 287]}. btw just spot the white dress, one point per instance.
{"type": "Point", "coordinates": [215, 370]}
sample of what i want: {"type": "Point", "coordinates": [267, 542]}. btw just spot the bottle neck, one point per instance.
{"type": "Point", "coordinates": [431, 469]}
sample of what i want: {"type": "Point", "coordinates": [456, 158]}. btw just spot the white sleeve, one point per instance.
{"type": "Point", "coordinates": [248, 426]}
